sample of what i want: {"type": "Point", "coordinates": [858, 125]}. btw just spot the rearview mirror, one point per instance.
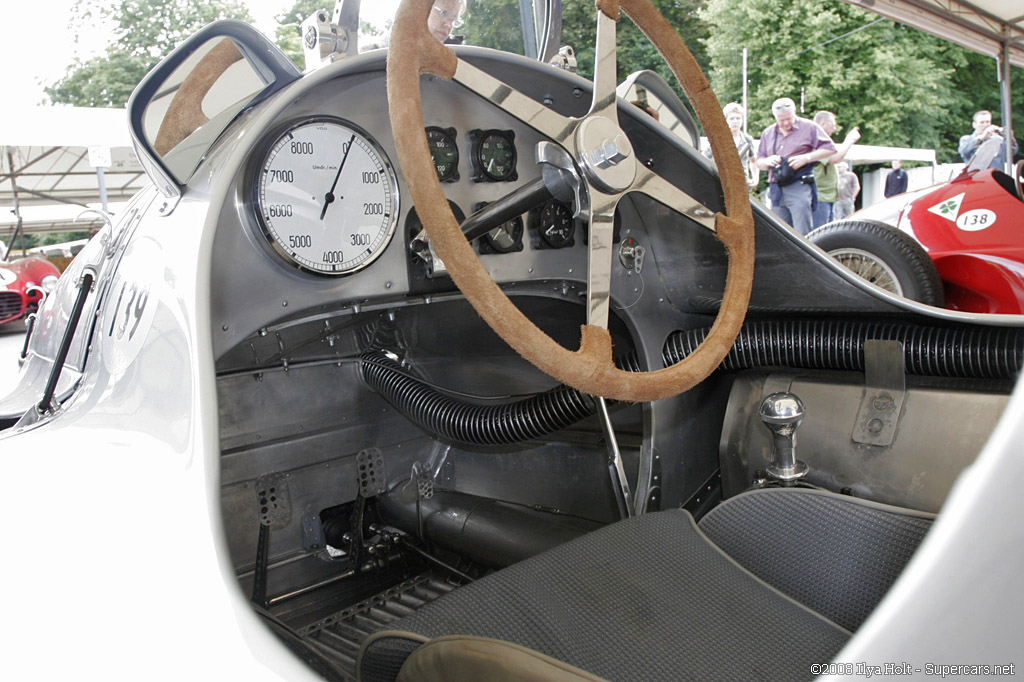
{"type": "Point", "coordinates": [649, 91]}
{"type": "Point", "coordinates": [180, 109]}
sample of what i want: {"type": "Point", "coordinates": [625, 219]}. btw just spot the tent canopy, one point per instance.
{"type": "Point", "coordinates": [984, 26]}
{"type": "Point", "coordinates": [49, 156]}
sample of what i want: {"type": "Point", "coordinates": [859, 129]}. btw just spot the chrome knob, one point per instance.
{"type": "Point", "coordinates": [782, 413]}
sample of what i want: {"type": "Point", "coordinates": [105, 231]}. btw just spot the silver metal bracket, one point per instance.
{"type": "Point", "coordinates": [325, 40]}
{"type": "Point", "coordinates": [565, 59]}
{"type": "Point", "coordinates": [423, 248]}
{"type": "Point", "coordinates": [885, 388]}
{"type": "Point", "coordinates": [167, 205]}
{"type": "Point", "coordinates": [631, 254]}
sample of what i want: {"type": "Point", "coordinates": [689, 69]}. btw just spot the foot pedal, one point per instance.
{"type": "Point", "coordinates": [274, 500]}
{"type": "Point", "coordinates": [373, 478]}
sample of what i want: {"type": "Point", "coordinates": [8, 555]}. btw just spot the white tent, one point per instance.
{"type": "Point", "coordinates": [65, 157]}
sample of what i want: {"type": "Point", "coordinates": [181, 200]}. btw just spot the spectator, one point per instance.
{"type": "Point", "coordinates": [826, 174]}
{"type": "Point", "coordinates": [896, 180]}
{"type": "Point", "coordinates": [734, 116]}
{"type": "Point", "coordinates": [983, 130]}
{"type": "Point", "coordinates": [444, 16]}
{"type": "Point", "coordinates": [788, 150]}
{"type": "Point", "coordinates": [849, 188]}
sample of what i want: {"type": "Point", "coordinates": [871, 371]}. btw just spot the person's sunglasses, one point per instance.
{"type": "Point", "coordinates": [449, 15]}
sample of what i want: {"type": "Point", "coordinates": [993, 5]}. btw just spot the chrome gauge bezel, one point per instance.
{"type": "Point", "coordinates": [481, 173]}
{"type": "Point", "coordinates": [451, 136]}
{"type": "Point", "coordinates": [267, 232]}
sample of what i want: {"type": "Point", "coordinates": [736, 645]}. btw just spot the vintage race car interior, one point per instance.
{"type": "Point", "coordinates": [415, 474]}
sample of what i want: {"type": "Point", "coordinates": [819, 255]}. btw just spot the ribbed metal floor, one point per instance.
{"type": "Point", "coordinates": [339, 636]}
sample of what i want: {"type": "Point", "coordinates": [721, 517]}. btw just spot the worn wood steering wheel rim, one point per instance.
{"type": "Point", "coordinates": [185, 112]}
{"type": "Point", "coordinates": [412, 52]}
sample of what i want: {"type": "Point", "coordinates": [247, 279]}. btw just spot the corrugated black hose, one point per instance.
{"type": "Point", "coordinates": [972, 353]}
{"type": "Point", "coordinates": [956, 352]}
{"type": "Point", "coordinates": [459, 420]}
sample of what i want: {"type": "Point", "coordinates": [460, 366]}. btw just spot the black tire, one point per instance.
{"type": "Point", "coordinates": [884, 256]}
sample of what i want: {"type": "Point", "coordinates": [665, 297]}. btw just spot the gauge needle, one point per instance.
{"type": "Point", "coordinates": [329, 197]}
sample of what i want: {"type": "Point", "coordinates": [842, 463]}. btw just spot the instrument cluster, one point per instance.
{"type": "Point", "coordinates": [327, 197]}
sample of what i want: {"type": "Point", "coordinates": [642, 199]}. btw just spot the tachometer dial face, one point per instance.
{"type": "Point", "coordinates": [327, 197]}
{"type": "Point", "coordinates": [445, 153]}
{"type": "Point", "coordinates": [556, 225]}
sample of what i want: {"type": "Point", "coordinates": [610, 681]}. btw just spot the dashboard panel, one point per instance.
{"type": "Point", "coordinates": [481, 154]}
{"type": "Point", "coordinates": [541, 253]}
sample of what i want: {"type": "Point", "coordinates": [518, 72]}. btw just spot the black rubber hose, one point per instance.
{"type": "Point", "coordinates": [959, 352]}
{"type": "Point", "coordinates": [971, 353]}
{"type": "Point", "coordinates": [461, 421]}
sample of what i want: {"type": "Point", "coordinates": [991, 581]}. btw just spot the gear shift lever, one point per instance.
{"type": "Point", "coordinates": [782, 413]}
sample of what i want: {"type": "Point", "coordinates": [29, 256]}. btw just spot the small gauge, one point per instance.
{"type": "Point", "coordinates": [506, 238]}
{"type": "Point", "coordinates": [494, 155]}
{"type": "Point", "coordinates": [445, 153]}
{"type": "Point", "coordinates": [556, 225]}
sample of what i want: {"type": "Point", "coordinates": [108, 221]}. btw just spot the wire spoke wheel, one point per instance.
{"type": "Point", "coordinates": [870, 267]}
{"type": "Point", "coordinates": [888, 258]}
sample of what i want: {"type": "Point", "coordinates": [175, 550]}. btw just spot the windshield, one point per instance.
{"type": "Point", "coordinates": [986, 154]}
{"type": "Point", "coordinates": [496, 24]}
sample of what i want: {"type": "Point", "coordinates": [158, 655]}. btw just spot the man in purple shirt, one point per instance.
{"type": "Point", "coordinates": [788, 150]}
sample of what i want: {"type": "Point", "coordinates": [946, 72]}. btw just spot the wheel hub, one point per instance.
{"type": "Point", "coordinates": [606, 154]}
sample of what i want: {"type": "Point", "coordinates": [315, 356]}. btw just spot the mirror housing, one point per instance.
{"type": "Point", "coordinates": [653, 94]}
{"type": "Point", "coordinates": [182, 106]}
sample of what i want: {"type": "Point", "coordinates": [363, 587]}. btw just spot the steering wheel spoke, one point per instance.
{"type": "Point", "coordinates": [529, 111]}
{"type": "Point", "coordinates": [599, 258]}
{"type": "Point", "coordinates": [605, 69]}
{"type": "Point", "coordinates": [658, 188]}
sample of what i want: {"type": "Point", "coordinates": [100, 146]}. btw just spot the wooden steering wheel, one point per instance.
{"type": "Point", "coordinates": [607, 169]}
{"type": "Point", "coordinates": [185, 112]}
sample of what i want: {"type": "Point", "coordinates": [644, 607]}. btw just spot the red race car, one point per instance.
{"type": "Point", "coordinates": [24, 283]}
{"type": "Point", "coordinates": [957, 245]}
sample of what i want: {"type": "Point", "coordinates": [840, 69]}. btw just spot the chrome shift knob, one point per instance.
{"type": "Point", "coordinates": [782, 413]}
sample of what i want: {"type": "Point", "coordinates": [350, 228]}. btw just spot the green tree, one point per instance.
{"type": "Point", "coordinates": [493, 23]}
{"type": "Point", "coordinates": [634, 50]}
{"type": "Point", "coordinates": [288, 36]}
{"type": "Point", "coordinates": [143, 31]}
{"type": "Point", "coordinates": [888, 79]}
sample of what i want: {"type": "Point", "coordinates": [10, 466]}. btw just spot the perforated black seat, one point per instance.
{"type": "Point", "coordinates": [653, 598]}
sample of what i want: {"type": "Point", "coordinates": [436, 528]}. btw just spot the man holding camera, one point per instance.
{"type": "Point", "coordinates": [983, 130]}
{"type": "Point", "coordinates": [788, 150]}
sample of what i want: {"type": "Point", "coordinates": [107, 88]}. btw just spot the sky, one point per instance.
{"type": "Point", "coordinates": [37, 45]}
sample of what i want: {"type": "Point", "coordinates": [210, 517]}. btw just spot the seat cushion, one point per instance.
{"type": "Point", "coordinates": [850, 551]}
{"type": "Point", "coordinates": [645, 599]}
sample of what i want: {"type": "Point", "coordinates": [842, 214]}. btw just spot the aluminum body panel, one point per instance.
{"type": "Point", "coordinates": [941, 429]}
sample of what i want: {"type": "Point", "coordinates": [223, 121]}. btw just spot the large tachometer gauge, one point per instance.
{"type": "Point", "coordinates": [327, 197]}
